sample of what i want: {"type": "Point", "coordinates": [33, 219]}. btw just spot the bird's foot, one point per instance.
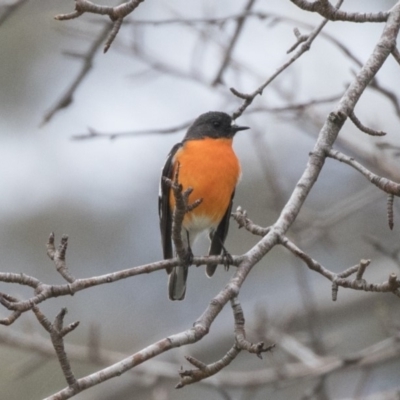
{"type": "Point", "coordinates": [227, 259]}
{"type": "Point", "coordinates": [188, 256]}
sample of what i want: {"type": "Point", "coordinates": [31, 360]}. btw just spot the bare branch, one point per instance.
{"type": "Point", "coordinates": [374, 83]}
{"type": "Point", "coordinates": [248, 98]}
{"type": "Point", "coordinates": [58, 256]}
{"type": "Point", "coordinates": [204, 371]}
{"type": "Point", "coordinates": [113, 34]}
{"type": "Point", "coordinates": [240, 216]}
{"type": "Point", "coordinates": [45, 291]}
{"type": "Point", "coordinates": [240, 334]}
{"type": "Point", "coordinates": [391, 285]}
{"type": "Point", "coordinates": [197, 332]}
{"type": "Point", "coordinates": [296, 107]}
{"type": "Point", "coordinates": [364, 128]}
{"type": "Point", "coordinates": [57, 332]}
{"type": "Point", "coordinates": [235, 37]}
{"type": "Point", "coordinates": [271, 236]}
{"type": "Point", "coordinates": [309, 366]}
{"type": "Point", "coordinates": [182, 207]}
{"type": "Point", "coordinates": [67, 98]}
{"type": "Point", "coordinates": [84, 354]}
{"type": "Point", "coordinates": [116, 14]}
{"type": "Point", "coordinates": [390, 200]}
{"type": "Point", "coordinates": [14, 315]}
{"type": "Point", "coordinates": [93, 134]}
{"type": "Point", "coordinates": [83, 6]}
{"type": "Point", "coordinates": [336, 119]}
{"type": "Point", "coordinates": [386, 185]}
{"type": "Point", "coordinates": [300, 39]}
{"type": "Point", "coordinates": [328, 11]}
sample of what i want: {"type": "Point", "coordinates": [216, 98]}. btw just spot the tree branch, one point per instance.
{"type": "Point", "coordinates": [240, 216]}
{"type": "Point", "coordinates": [58, 256]}
{"type": "Point", "coordinates": [386, 185]}
{"type": "Point", "coordinates": [45, 291]}
{"type": "Point", "coordinates": [364, 128]}
{"type": "Point", "coordinates": [57, 332]}
{"type": "Point", "coordinates": [227, 58]}
{"type": "Point", "coordinates": [116, 14]}
{"type": "Point", "coordinates": [392, 285]}
{"type": "Point", "coordinates": [67, 98]}
{"type": "Point", "coordinates": [248, 98]}
{"type": "Point", "coordinates": [328, 11]}
{"type": "Point", "coordinates": [204, 371]}
{"type": "Point", "coordinates": [182, 207]}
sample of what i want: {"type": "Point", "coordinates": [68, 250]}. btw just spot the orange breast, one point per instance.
{"type": "Point", "coordinates": [212, 169]}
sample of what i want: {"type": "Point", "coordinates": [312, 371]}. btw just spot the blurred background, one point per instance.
{"type": "Point", "coordinates": [102, 192]}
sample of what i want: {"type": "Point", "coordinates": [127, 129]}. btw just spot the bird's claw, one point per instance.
{"type": "Point", "coordinates": [227, 259]}
{"type": "Point", "coordinates": [188, 256]}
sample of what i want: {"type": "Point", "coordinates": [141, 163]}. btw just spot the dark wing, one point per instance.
{"type": "Point", "coordinates": [218, 238]}
{"type": "Point", "coordinates": [164, 210]}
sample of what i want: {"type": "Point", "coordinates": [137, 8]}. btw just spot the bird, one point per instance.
{"type": "Point", "coordinates": [207, 164]}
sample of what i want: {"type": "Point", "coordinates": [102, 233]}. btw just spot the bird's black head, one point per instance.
{"type": "Point", "coordinates": [213, 124]}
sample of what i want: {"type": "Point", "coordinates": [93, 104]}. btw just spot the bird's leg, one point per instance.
{"type": "Point", "coordinates": [189, 253]}
{"type": "Point", "coordinates": [227, 258]}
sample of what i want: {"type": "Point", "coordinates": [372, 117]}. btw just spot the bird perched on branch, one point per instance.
{"type": "Point", "coordinates": [207, 164]}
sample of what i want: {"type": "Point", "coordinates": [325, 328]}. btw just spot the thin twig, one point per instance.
{"type": "Point", "coordinates": [113, 34]}
{"type": "Point", "coordinates": [330, 12]}
{"type": "Point", "coordinates": [248, 98]}
{"type": "Point", "coordinates": [57, 332]}
{"type": "Point", "coordinates": [240, 333]}
{"type": "Point", "coordinates": [390, 200]}
{"type": "Point", "coordinates": [364, 128]}
{"type": "Point", "coordinates": [94, 134]}
{"type": "Point", "coordinates": [14, 315]}
{"type": "Point", "coordinates": [235, 37]}
{"type": "Point", "coordinates": [58, 256]}
{"type": "Point", "coordinates": [387, 185]}
{"type": "Point", "coordinates": [67, 98]}
{"type": "Point", "coordinates": [240, 216]}
{"type": "Point", "coordinates": [182, 207]}
{"type": "Point", "coordinates": [204, 371]}
{"type": "Point", "coordinates": [116, 14]}
{"type": "Point", "coordinates": [392, 285]}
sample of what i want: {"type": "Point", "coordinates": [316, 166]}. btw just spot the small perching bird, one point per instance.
{"type": "Point", "coordinates": [207, 164]}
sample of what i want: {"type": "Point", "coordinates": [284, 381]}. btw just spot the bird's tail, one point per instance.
{"type": "Point", "coordinates": [177, 282]}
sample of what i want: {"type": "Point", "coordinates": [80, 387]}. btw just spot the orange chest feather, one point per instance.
{"type": "Point", "coordinates": [212, 169]}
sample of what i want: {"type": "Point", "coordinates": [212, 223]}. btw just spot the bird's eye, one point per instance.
{"type": "Point", "coordinates": [216, 124]}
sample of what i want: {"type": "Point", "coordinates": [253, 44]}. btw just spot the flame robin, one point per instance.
{"type": "Point", "coordinates": [207, 164]}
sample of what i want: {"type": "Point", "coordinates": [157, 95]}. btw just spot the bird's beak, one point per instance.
{"type": "Point", "coordinates": [236, 128]}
